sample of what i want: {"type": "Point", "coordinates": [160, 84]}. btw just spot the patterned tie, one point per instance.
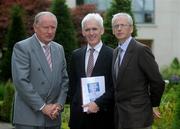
{"type": "Point", "coordinates": [117, 62]}
{"type": "Point", "coordinates": [48, 55]}
{"type": "Point", "coordinates": [90, 65]}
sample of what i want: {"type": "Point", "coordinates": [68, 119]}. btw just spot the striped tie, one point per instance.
{"type": "Point", "coordinates": [48, 55]}
{"type": "Point", "coordinates": [90, 65]}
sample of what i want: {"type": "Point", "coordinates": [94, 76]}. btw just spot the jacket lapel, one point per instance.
{"type": "Point", "coordinates": [127, 57]}
{"type": "Point", "coordinates": [37, 49]}
{"type": "Point", "coordinates": [83, 56]}
{"type": "Point", "coordinates": [99, 62]}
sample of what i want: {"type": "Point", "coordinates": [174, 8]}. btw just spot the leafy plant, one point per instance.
{"type": "Point", "coordinates": [65, 117]}
{"type": "Point", "coordinates": [6, 107]}
{"type": "Point", "coordinates": [172, 72]}
{"type": "Point", "coordinates": [16, 32]}
{"type": "Point", "coordinates": [176, 120]}
{"type": "Point", "coordinates": [1, 91]}
{"type": "Point", "coordinates": [167, 109]}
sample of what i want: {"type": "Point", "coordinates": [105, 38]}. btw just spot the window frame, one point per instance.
{"type": "Point", "coordinates": [145, 14]}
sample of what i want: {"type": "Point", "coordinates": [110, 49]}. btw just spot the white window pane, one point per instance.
{"type": "Point", "coordinates": [137, 5]}
{"type": "Point", "coordinates": [139, 18]}
{"type": "Point", "coordinates": [149, 5]}
{"type": "Point", "coordinates": [103, 4]}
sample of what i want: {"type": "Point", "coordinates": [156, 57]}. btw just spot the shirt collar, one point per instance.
{"type": "Point", "coordinates": [41, 43]}
{"type": "Point", "coordinates": [124, 45]}
{"type": "Point", "coordinates": [97, 47]}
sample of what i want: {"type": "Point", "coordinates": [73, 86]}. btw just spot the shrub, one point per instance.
{"type": "Point", "coordinates": [169, 104]}
{"type": "Point", "coordinates": [1, 91]}
{"type": "Point", "coordinates": [16, 32]}
{"type": "Point", "coordinates": [176, 120]}
{"type": "Point", "coordinates": [6, 107]}
{"type": "Point", "coordinates": [65, 117]}
{"type": "Point", "coordinates": [167, 108]}
{"type": "Point", "coordinates": [172, 73]}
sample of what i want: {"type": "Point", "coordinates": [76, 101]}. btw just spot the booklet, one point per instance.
{"type": "Point", "coordinates": [92, 88]}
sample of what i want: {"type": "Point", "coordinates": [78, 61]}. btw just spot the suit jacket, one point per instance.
{"type": "Point", "coordinates": [139, 87]}
{"type": "Point", "coordinates": [35, 83]}
{"type": "Point", "coordinates": [104, 118]}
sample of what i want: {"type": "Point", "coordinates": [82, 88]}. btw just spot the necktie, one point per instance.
{"type": "Point", "coordinates": [48, 55]}
{"type": "Point", "coordinates": [90, 65]}
{"type": "Point", "coordinates": [117, 63]}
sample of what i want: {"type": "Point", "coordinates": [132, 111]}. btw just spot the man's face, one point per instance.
{"type": "Point", "coordinates": [122, 29]}
{"type": "Point", "coordinates": [45, 29]}
{"type": "Point", "coordinates": [92, 32]}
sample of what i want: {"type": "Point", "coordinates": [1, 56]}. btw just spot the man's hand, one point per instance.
{"type": "Point", "coordinates": [47, 110]}
{"type": "Point", "coordinates": [55, 112]}
{"type": "Point", "coordinates": [156, 112]}
{"type": "Point", "coordinates": [51, 110]}
{"type": "Point", "coordinates": [92, 107]}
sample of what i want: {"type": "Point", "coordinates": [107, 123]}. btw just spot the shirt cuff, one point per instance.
{"type": "Point", "coordinates": [42, 106]}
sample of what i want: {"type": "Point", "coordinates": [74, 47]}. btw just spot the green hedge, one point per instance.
{"type": "Point", "coordinates": [65, 117]}
{"type": "Point", "coordinates": [1, 91]}
{"type": "Point", "coordinates": [6, 104]}
{"type": "Point", "coordinates": [167, 108]}
{"type": "Point", "coordinates": [176, 118]}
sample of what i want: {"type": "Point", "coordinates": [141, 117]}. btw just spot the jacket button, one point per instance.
{"type": "Point", "coordinates": [42, 83]}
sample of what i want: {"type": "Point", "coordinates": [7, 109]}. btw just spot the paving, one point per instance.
{"type": "Point", "coordinates": [6, 125]}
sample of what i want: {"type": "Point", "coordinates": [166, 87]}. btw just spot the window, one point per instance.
{"type": "Point", "coordinates": [147, 42]}
{"type": "Point", "coordinates": [143, 11]}
{"type": "Point", "coordinates": [101, 4]}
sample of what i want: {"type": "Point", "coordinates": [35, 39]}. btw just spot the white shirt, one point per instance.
{"type": "Point", "coordinates": [42, 44]}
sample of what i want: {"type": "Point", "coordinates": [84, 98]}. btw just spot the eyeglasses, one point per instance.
{"type": "Point", "coordinates": [121, 26]}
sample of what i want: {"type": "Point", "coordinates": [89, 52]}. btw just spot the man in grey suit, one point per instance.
{"type": "Point", "coordinates": [40, 77]}
{"type": "Point", "coordinates": [137, 80]}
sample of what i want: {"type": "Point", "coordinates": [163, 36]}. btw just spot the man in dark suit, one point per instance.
{"type": "Point", "coordinates": [100, 112]}
{"type": "Point", "coordinates": [137, 80]}
{"type": "Point", "coordinates": [40, 77]}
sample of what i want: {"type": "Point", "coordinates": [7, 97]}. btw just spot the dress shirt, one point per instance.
{"type": "Point", "coordinates": [95, 54]}
{"type": "Point", "coordinates": [124, 47]}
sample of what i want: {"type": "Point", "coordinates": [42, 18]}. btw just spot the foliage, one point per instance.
{"type": "Point", "coordinates": [6, 107]}
{"type": "Point", "coordinates": [172, 73]}
{"type": "Point", "coordinates": [78, 14]}
{"type": "Point", "coordinates": [31, 7]}
{"type": "Point", "coordinates": [170, 107]}
{"type": "Point", "coordinates": [176, 120]}
{"type": "Point", "coordinates": [1, 91]}
{"type": "Point", "coordinates": [116, 7]}
{"type": "Point", "coordinates": [65, 34]}
{"type": "Point", "coordinates": [65, 117]}
{"type": "Point", "coordinates": [79, 2]}
{"type": "Point", "coordinates": [167, 108]}
{"type": "Point", "coordinates": [16, 32]}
